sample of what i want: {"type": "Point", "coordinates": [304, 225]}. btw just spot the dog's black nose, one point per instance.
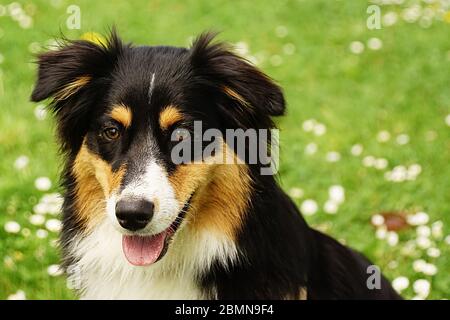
{"type": "Point", "coordinates": [134, 214]}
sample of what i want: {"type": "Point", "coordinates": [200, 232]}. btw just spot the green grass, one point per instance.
{"type": "Point", "coordinates": [401, 88]}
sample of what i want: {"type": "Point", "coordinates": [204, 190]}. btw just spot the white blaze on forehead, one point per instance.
{"type": "Point", "coordinates": [153, 185]}
{"type": "Point", "coordinates": [150, 88]}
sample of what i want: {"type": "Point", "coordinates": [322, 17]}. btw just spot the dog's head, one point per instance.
{"type": "Point", "coordinates": [120, 112]}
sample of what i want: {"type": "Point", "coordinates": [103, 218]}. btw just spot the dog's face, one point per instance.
{"type": "Point", "coordinates": [120, 112]}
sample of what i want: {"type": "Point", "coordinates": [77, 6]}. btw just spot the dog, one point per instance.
{"type": "Point", "coordinates": [137, 225]}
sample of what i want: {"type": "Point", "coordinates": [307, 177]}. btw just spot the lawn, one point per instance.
{"type": "Point", "coordinates": [368, 113]}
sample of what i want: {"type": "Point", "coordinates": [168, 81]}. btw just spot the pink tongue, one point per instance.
{"type": "Point", "coordinates": [143, 251]}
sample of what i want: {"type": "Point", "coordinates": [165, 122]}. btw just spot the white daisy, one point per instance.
{"type": "Point", "coordinates": [409, 248]}
{"type": "Point", "coordinates": [40, 208]}
{"type": "Point", "coordinates": [423, 231]}
{"type": "Point", "coordinates": [21, 162]}
{"type": "Point", "coordinates": [422, 288]}
{"type": "Point", "coordinates": [54, 270]}
{"type": "Point", "coordinates": [413, 171]}
{"type": "Point", "coordinates": [377, 220]}
{"type": "Point", "coordinates": [412, 13]}
{"type": "Point", "coordinates": [381, 163]}
{"type": "Point", "coordinates": [402, 139]}
{"type": "Point", "coordinates": [309, 207]}
{"type": "Point", "coordinates": [8, 262]}
{"type": "Point", "coordinates": [51, 203]}
{"type": "Point", "coordinates": [383, 136]}
{"type": "Point", "coordinates": [37, 219]}
{"type": "Point", "coordinates": [43, 184]}
{"type": "Point", "coordinates": [289, 48]}
{"type": "Point", "coordinates": [15, 10]}
{"type": "Point", "coordinates": [356, 47]}
{"type": "Point", "coordinates": [374, 44]}
{"type": "Point", "coordinates": [393, 264]}
{"type": "Point", "coordinates": [311, 148]}
{"type": "Point", "coordinates": [12, 227]}
{"type": "Point", "coordinates": [423, 242]}
{"type": "Point", "coordinates": [25, 22]}
{"type": "Point", "coordinates": [381, 233]}
{"type": "Point", "coordinates": [417, 219]}
{"type": "Point", "coordinates": [419, 265]}
{"type": "Point", "coordinates": [19, 295]}
{"type": "Point", "coordinates": [308, 125]}
{"type": "Point", "coordinates": [433, 252]}
{"type": "Point", "coordinates": [281, 31]}
{"type": "Point", "coordinates": [392, 238]}
{"type": "Point", "coordinates": [356, 150]}
{"type": "Point", "coordinates": [436, 229]}
{"type": "Point", "coordinates": [53, 225]}
{"type": "Point", "coordinates": [296, 192]}
{"type": "Point", "coordinates": [390, 18]}
{"type": "Point", "coordinates": [41, 233]}
{"type": "Point", "coordinates": [330, 207]}
{"type": "Point", "coordinates": [337, 193]}
{"type": "Point", "coordinates": [398, 174]}
{"type": "Point", "coordinates": [319, 129]}
{"type": "Point", "coordinates": [400, 283]}
{"type": "Point", "coordinates": [333, 156]}
{"type": "Point", "coordinates": [430, 269]}
{"type": "Point", "coordinates": [368, 161]}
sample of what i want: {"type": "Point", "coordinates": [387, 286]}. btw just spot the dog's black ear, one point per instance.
{"type": "Point", "coordinates": [236, 77]}
{"type": "Point", "coordinates": [73, 76]}
{"type": "Point", "coordinates": [64, 71]}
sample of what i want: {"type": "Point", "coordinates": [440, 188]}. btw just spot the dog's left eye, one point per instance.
{"type": "Point", "coordinates": [111, 133]}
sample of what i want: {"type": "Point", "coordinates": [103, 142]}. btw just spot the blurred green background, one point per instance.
{"type": "Point", "coordinates": [368, 113]}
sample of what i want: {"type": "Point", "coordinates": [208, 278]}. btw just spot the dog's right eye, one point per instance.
{"type": "Point", "coordinates": [179, 135]}
{"type": "Point", "coordinates": [111, 133]}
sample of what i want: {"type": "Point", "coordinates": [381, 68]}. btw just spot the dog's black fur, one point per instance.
{"type": "Point", "coordinates": [279, 253]}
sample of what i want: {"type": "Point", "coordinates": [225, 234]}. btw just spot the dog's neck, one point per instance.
{"type": "Point", "coordinates": [102, 271]}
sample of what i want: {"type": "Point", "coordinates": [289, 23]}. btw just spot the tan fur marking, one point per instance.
{"type": "Point", "coordinates": [95, 181]}
{"type": "Point", "coordinates": [303, 294]}
{"type": "Point", "coordinates": [122, 114]}
{"type": "Point", "coordinates": [221, 198]}
{"type": "Point", "coordinates": [236, 96]}
{"type": "Point", "coordinates": [168, 116]}
{"type": "Point", "coordinates": [72, 88]}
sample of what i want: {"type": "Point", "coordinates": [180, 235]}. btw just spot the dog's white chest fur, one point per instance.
{"type": "Point", "coordinates": [102, 271]}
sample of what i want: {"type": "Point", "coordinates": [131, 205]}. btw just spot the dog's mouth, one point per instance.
{"type": "Point", "coordinates": [145, 250]}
